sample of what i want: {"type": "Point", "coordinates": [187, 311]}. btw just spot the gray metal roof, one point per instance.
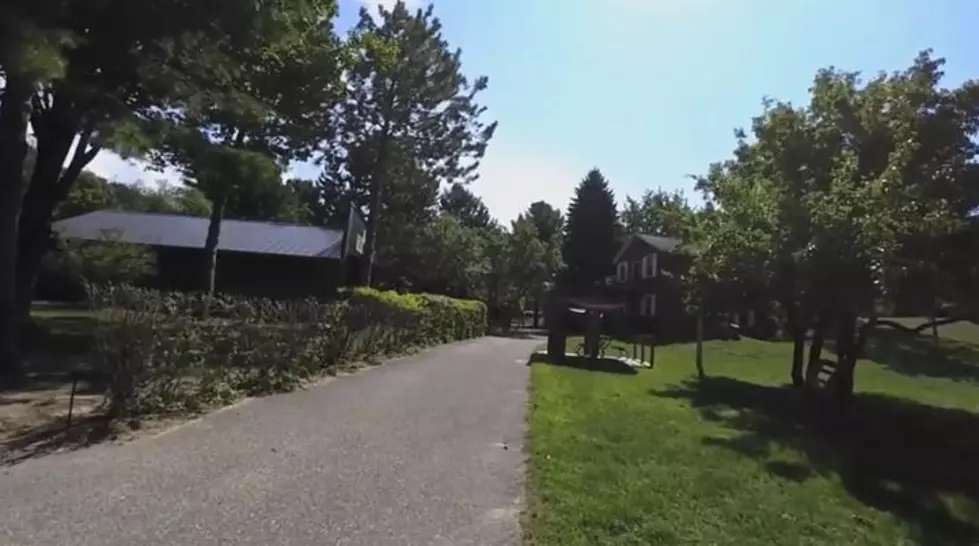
{"type": "Point", "coordinates": [172, 230]}
{"type": "Point", "coordinates": [663, 244]}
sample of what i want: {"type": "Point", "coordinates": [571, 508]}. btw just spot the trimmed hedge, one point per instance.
{"type": "Point", "coordinates": [163, 356]}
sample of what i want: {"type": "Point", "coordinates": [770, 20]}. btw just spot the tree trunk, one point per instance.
{"type": "Point", "coordinates": [816, 349]}
{"type": "Point", "coordinates": [798, 356]}
{"type": "Point", "coordinates": [797, 329]}
{"type": "Point", "coordinates": [846, 350]}
{"type": "Point", "coordinates": [14, 110]}
{"type": "Point", "coordinates": [50, 185]}
{"type": "Point", "coordinates": [211, 247]}
{"type": "Point", "coordinates": [700, 346]}
{"type": "Point", "coordinates": [377, 186]}
{"type": "Point", "coordinates": [371, 237]}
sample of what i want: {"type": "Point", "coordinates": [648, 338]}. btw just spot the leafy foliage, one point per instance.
{"type": "Point", "coordinates": [163, 198]}
{"type": "Point", "coordinates": [548, 220]}
{"type": "Point", "coordinates": [83, 84]}
{"type": "Point", "coordinates": [819, 206]}
{"type": "Point", "coordinates": [109, 260]}
{"type": "Point", "coordinates": [458, 201]}
{"type": "Point", "coordinates": [165, 357]}
{"type": "Point", "coordinates": [657, 212]}
{"type": "Point", "coordinates": [450, 259]}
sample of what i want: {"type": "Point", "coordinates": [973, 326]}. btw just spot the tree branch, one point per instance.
{"type": "Point", "coordinates": [84, 153]}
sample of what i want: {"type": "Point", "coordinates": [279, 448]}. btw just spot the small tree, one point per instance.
{"type": "Point", "coordinates": [108, 260]}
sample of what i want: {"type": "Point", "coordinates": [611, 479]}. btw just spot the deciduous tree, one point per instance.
{"type": "Point", "coordinates": [83, 82]}
{"type": "Point", "coordinates": [266, 109]}
{"type": "Point", "coordinates": [828, 196]}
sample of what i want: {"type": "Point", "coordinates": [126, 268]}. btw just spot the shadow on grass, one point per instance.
{"type": "Point", "coordinates": [55, 437]}
{"type": "Point", "coordinates": [606, 365]}
{"type": "Point", "coordinates": [917, 355]}
{"type": "Point", "coordinates": [889, 453]}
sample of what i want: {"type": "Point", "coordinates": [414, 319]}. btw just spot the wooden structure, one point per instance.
{"type": "Point", "coordinates": [559, 311]}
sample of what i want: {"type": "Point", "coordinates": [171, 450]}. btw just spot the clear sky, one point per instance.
{"type": "Point", "coordinates": [651, 90]}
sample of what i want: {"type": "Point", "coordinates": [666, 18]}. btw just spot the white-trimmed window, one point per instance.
{"type": "Point", "coordinates": [622, 271]}
{"type": "Point", "coordinates": [647, 305]}
{"type": "Point", "coordinates": [649, 265]}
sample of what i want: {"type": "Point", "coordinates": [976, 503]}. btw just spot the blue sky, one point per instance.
{"type": "Point", "coordinates": [651, 90]}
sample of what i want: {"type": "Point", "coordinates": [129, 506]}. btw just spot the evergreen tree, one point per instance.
{"type": "Point", "coordinates": [410, 124]}
{"type": "Point", "coordinates": [458, 201]}
{"type": "Point", "coordinates": [591, 233]}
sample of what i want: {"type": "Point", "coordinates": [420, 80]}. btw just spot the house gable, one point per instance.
{"type": "Point", "coordinates": [652, 242]}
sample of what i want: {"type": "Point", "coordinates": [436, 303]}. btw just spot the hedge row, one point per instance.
{"type": "Point", "coordinates": [163, 356]}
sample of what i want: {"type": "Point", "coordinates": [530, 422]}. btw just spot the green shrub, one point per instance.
{"type": "Point", "coordinates": [163, 356]}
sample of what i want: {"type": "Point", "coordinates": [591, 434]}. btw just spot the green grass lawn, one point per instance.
{"type": "Point", "coordinates": [623, 456]}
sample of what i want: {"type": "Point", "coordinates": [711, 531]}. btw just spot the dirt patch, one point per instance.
{"type": "Point", "coordinates": [35, 416]}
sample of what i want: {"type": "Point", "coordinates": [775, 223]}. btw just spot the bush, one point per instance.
{"type": "Point", "coordinates": [164, 356]}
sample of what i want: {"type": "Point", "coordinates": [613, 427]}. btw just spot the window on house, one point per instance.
{"type": "Point", "coordinates": [647, 306]}
{"type": "Point", "coordinates": [649, 266]}
{"type": "Point", "coordinates": [622, 272]}
{"type": "Point", "coordinates": [636, 269]}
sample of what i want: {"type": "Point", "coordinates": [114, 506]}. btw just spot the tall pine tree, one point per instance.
{"type": "Point", "coordinates": [590, 233]}
{"type": "Point", "coordinates": [410, 124]}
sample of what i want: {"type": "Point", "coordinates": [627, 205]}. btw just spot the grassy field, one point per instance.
{"type": "Point", "coordinates": [625, 456]}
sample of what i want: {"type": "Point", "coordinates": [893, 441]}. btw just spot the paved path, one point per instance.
{"type": "Point", "coordinates": [407, 453]}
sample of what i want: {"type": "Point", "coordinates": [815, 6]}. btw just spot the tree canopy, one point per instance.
{"type": "Point", "coordinates": [458, 201]}
{"type": "Point", "coordinates": [823, 203]}
{"type": "Point", "coordinates": [410, 123]}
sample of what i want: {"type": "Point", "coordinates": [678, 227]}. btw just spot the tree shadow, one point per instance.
{"type": "Point", "coordinates": [918, 355]}
{"type": "Point", "coordinates": [55, 437]}
{"type": "Point", "coordinates": [892, 454]}
{"type": "Point", "coordinates": [605, 365]}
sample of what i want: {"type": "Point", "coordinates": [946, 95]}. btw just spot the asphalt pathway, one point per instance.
{"type": "Point", "coordinates": [422, 450]}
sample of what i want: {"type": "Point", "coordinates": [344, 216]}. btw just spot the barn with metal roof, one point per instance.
{"type": "Point", "coordinates": [257, 258]}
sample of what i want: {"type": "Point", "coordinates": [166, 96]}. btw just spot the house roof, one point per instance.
{"type": "Point", "coordinates": [172, 230]}
{"type": "Point", "coordinates": [661, 244]}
